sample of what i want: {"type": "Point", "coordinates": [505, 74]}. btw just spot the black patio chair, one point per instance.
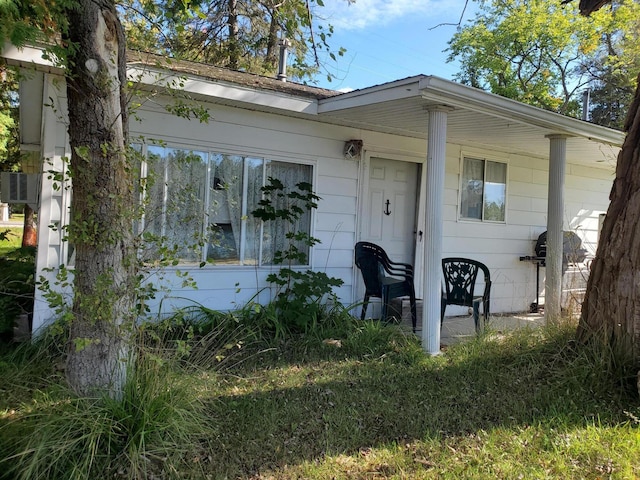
{"type": "Point", "coordinates": [384, 279]}
{"type": "Point", "coordinates": [460, 275]}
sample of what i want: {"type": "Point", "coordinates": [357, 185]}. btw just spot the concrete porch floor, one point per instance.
{"type": "Point", "coordinates": [458, 329]}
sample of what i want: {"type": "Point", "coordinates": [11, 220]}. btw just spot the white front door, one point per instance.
{"type": "Point", "coordinates": [390, 216]}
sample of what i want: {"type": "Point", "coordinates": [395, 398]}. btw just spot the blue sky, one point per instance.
{"type": "Point", "coordinates": [390, 39]}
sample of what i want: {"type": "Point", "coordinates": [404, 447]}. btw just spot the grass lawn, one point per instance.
{"type": "Point", "coordinates": [522, 407]}
{"type": "Point", "coordinates": [531, 404]}
{"type": "Point", "coordinates": [10, 239]}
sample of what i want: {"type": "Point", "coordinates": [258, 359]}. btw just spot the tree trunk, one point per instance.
{"type": "Point", "coordinates": [271, 56]}
{"type": "Point", "coordinates": [611, 309]}
{"type": "Point", "coordinates": [29, 237]}
{"type": "Point", "coordinates": [234, 47]}
{"type": "Point", "coordinates": [100, 229]}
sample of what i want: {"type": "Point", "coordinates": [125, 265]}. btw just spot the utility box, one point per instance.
{"type": "Point", "coordinates": [19, 188]}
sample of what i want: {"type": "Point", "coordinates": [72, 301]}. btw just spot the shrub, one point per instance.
{"type": "Point", "coordinates": [300, 294]}
{"type": "Point", "coordinates": [16, 287]}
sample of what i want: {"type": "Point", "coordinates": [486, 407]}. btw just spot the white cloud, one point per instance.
{"type": "Point", "coordinates": [367, 13]}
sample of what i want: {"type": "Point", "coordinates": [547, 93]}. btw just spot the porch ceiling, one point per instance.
{"type": "Point", "coordinates": [477, 119]}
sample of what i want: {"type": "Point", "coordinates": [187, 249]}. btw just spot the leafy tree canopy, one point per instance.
{"type": "Point", "coordinates": [25, 21]}
{"type": "Point", "coordinates": [231, 33]}
{"type": "Point", "coordinates": [9, 141]}
{"type": "Point", "coordinates": [544, 53]}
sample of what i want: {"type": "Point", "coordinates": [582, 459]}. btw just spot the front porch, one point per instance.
{"type": "Point", "coordinates": [461, 328]}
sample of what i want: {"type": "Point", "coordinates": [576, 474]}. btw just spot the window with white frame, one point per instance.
{"type": "Point", "coordinates": [483, 190]}
{"type": "Point", "coordinates": [199, 204]}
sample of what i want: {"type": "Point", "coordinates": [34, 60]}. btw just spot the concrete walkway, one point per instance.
{"type": "Point", "coordinates": [458, 329]}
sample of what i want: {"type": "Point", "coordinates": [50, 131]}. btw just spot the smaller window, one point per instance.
{"type": "Point", "coordinates": [483, 190]}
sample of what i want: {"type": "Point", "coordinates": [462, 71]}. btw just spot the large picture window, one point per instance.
{"type": "Point", "coordinates": [199, 204]}
{"type": "Point", "coordinates": [483, 190]}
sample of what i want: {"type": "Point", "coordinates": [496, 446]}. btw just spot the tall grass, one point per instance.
{"type": "Point", "coordinates": [214, 397]}
{"type": "Point", "coordinates": [151, 431]}
{"type": "Point", "coordinates": [154, 431]}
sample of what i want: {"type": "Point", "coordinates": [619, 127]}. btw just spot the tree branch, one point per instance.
{"type": "Point", "coordinates": [464, 9]}
{"type": "Point", "coordinates": [587, 7]}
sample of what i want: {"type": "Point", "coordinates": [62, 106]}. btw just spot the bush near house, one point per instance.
{"type": "Point", "coordinates": [17, 270]}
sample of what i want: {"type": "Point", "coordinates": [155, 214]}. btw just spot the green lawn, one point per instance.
{"type": "Point", "coordinates": [10, 239]}
{"type": "Point", "coordinates": [523, 407]}
{"type": "Point", "coordinates": [371, 406]}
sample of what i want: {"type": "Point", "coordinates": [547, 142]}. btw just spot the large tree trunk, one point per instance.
{"type": "Point", "coordinates": [102, 200]}
{"type": "Point", "coordinates": [29, 236]}
{"type": "Point", "coordinates": [611, 309]}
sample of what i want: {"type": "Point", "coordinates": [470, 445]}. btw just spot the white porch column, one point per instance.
{"type": "Point", "coordinates": [435, 165]}
{"type": "Point", "coordinates": [555, 213]}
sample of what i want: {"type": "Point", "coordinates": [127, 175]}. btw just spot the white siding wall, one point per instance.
{"type": "Point", "coordinates": [499, 246]}
{"type": "Point", "coordinates": [337, 220]}
{"type": "Point", "coordinates": [277, 138]}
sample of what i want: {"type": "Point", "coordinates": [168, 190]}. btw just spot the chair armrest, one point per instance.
{"type": "Point", "coordinates": [399, 266]}
{"type": "Point", "coordinates": [487, 289]}
{"type": "Point", "coordinates": [400, 269]}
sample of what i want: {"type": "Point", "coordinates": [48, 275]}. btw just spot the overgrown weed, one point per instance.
{"type": "Point", "coordinates": [349, 399]}
{"type": "Point", "coordinates": [154, 431]}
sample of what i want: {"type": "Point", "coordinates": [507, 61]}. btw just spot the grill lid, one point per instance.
{"type": "Point", "coordinates": [572, 251]}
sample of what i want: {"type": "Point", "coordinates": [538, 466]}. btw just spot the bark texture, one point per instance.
{"type": "Point", "coordinates": [29, 236]}
{"type": "Point", "coordinates": [102, 198]}
{"type": "Point", "coordinates": [611, 309]}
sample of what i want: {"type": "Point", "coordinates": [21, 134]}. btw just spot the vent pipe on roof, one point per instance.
{"type": "Point", "coordinates": [586, 100]}
{"type": "Point", "coordinates": [282, 65]}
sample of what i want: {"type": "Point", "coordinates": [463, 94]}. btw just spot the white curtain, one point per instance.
{"type": "Point", "coordinates": [253, 225]}
{"type": "Point", "coordinates": [472, 187]}
{"type": "Point", "coordinates": [176, 184]}
{"type": "Point", "coordinates": [185, 202]}
{"type": "Point", "coordinates": [274, 235]}
{"type": "Point", "coordinates": [230, 218]}
{"type": "Point", "coordinates": [222, 244]}
{"type": "Point", "coordinates": [230, 173]}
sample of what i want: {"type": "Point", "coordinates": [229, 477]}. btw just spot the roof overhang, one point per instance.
{"type": "Point", "coordinates": [464, 97]}
{"type": "Point", "coordinates": [476, 119]}
{"type": "Point", "coordinates": [220, 91]}
{"type": "Point", "coordinates": [28, 57]}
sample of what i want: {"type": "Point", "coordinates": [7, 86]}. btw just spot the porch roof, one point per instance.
{"type": "Point", "coordinates": [477, 119]}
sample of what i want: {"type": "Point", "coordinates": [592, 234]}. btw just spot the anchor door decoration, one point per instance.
{"type": "Point", "coordinates": [389, 216]}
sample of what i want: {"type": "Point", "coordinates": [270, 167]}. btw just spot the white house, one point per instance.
{"type": "Point", "coordinates": [425, 167]}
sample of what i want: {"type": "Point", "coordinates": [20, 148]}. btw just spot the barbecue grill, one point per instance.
{"type": "Point", "coordinates": [572, 252]}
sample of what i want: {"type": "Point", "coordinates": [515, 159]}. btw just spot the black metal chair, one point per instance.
{"type": "Point", "coordinates": [384, 279]}
{"type": "Point", "coordinates": [460, 275]}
